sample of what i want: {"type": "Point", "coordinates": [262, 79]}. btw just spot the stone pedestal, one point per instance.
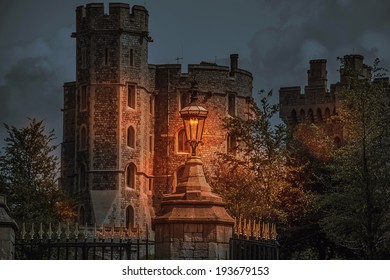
{"type": "Point", "coordinates": [7, 232]}
{"type": "Point", "coordinates": [192, 222]}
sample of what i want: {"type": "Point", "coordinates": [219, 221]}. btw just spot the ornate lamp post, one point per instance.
{"type": "Point", "coordinates": [192, 222]}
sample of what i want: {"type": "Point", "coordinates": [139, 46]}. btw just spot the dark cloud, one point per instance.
{"type": "Point", "coordinates": [275, 41]}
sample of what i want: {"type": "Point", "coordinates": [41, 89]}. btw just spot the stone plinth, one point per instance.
{"type": "Point", "coordinates": [7, 232]}
{"type": "Point", "coordinates": [192, 222]}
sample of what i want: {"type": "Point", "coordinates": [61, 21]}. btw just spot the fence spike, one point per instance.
{"type": "Point", "coordinates": [112, 231]}
{"type": "Point", "coordinates": [50, 232]}
{"type": "Point", "coordinates": [104, 232]}
{"type": "Point", "coordinates": [76, 231]}
{"type": "Point", "coordinates": [138, 232]}
{"type": "Point", "coordinates": [59, 231]}
{"type": "Point", "coordinates": [94, 231]}
{"type": "Point", "coordinates": [40, 232]}
{"type": "Point", "coordinates": [32, 233]}
{"type": "Point", "coordinates": [240, 227]}
{"type": "Point", "coordinates": [23, 233]}
{"type": "Point", "coordinates": [67, 232]}
{"type": "Point", "coordinates": [85, 231]}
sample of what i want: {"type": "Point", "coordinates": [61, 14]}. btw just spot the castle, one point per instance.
{"type": "Point", "coordinates": [123, 140]}
{"type": "Point", "coordinates": [317, 103]}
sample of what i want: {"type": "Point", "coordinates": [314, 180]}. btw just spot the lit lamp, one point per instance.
{"type": "Point", "coordinates": [194, 117]}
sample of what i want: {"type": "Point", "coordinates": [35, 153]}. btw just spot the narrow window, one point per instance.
{"type": "Point", "coordinates": [131, 96]}
{"type": "Point", "coordinates": [83, 178]}
{"type": "Point", "coordinates": [150, 184]}
{"type": "Point", "coordinates": [130, 176]}
{"type": "Point", "coordinates": [131, 62]}
{"type": "Point", "coordinates": [83, 138]}
{"type": "Point", "coordinates": [151, 105]}
{"type": "Point", "coordinates": [183, 100]}
{"type": "Point", "coordinates": [302, 116]}
{"type": "Point", "coordinates": [84, 58]}
{"type": "Point", "coordinates": [182, 145]}
{"type": "Point", "coordinates": [231, 144]}
{"type": "Point", "coordinates": [130, 137]}
{"type": "Point", "coordinates": [129, 219]}
{"type": "Point", "coordinates": [319, 116]}
{"type": "Point", "coordinates": [106, 56]}
{"type": "Point", "coordinates": [294, 118]}
{"type": "Point", "coordinates": [310, 116]}
{"type": "Point", "coordinates": [151, 144]}
{"type": "Point", "coordinates": [327, 114]}
{"type": "Point", "coordinates": [83, 98]}
{"type": "Point", "coordinates": [232, 105]}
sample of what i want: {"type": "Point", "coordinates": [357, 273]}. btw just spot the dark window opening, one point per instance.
{"type": "Point", "coordinates": [232, 105]}
{"type": "Point", "coordinates": [131, 96]}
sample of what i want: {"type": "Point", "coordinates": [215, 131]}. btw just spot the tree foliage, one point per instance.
{"type": "Point", "coordinates": [356, 206]}
{"type": "Point", "coordinates": [29, 170]}
{"type": "Point", "coordinates": [257, 179]}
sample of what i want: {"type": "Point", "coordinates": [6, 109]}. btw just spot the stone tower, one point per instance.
{"type": "Point", "coordinates": [107, 120]}
{"type": "Point", "coordinates": [124, 145]}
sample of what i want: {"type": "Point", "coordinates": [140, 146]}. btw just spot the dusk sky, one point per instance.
{"type": "Point", "coordinates": [274, 39]}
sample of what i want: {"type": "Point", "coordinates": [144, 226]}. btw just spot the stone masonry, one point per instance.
{"type": "Point", "coordinates": [121, 147]}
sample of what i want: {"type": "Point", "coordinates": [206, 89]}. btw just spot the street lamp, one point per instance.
{"type": "Point", "coordinates": [194, 117]}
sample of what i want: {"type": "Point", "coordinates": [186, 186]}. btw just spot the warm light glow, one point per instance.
{"type": "Point", "coordinates": [193, 121]}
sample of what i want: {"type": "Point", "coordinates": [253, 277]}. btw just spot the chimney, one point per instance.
{"type": "Point", "coordinates": [233, 63]}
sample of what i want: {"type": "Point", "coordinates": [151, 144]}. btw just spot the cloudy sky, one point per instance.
{"type": "Point", "coordinates": [274, 39]}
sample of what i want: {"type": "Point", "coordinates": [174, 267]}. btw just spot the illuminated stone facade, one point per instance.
{"type": "Point", "coordinates": [122, 145]}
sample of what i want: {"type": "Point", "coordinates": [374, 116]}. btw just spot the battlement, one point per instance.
{"type": "Point", "coordinates": [92, 17]}
{"type": "Point", "coordinates": [205, 74]}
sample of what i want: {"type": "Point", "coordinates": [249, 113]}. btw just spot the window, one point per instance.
{"type": "Point", "coordinates": [294, 118]}
{"type": "Point", "coordinates": [83, 98]}
{"type": "Point", "coordinates": [302, 116]}
{"type": "Point", "coordinates": [232, 105]}
{"type": "Point", "coordinates": [150, 184]}
{"type": "Point", "coordinates": [131, 137]}
{"type": "Point", "coordinates": [83, 137]}
{"type": "Point", "coordinates": [129, 217]}
{"type": "Point", "coordinates": [130, 176]}
{"type": "Point", "coordinates": [106, 56]}
{"type": "Point", "coordinates": [319, 115]}
{"type": "Point", "coordinates": [231, 144]}
{"type": "Point", "coordinates": [131, 96]}
{"type": "Point", "coordinates": [83, 58]}
{"type": "Point", "coordinates": [131, 57]}
{"type": "Point", "coordinates": [310, 116]}
{"type": "Point", "coordinates": [151, 144]}
{"type": "Point", "coordinates": [182, 144]}
{"type": "Point", "coordinates": [151, 104]}
{"type": "Point", "coordinates": [327, 114]}
{"type": "Point", "coordinates": [183, 100]}
{"type": "Point", "coordinates": [82, 178]}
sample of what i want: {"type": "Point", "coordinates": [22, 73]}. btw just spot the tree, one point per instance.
{"type": "Point", "coordinates": [257, 177]}
{"type": "Point", "coordinates": [357, 203]}
{"type": "Point", "coordinates": [28, 172]}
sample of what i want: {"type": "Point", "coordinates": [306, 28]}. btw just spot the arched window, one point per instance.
{"type": "Point", "coordinates": [310, 116]}
{"type": "Point", "coordinates": [319, 115]}
{"type": "Point", "coordinates": [82, 220]}
{"type": "Point", "coordinates": [83, 178]}
{"type": "Point", "coordinates": [129, 217]}
{"type": "Point", "coordinates": [327, 114]}
{"type": "Point", "coordinates": [83, 137]}
{"type": "Point", "coordinates": [231, 144]}
{"type": "Point", "coordinates": [130, 176]}
{"type": "Point", "coordinates": [294, 118]}
{"type": "Point", "coordinates": [131, 137]}
{"type": "Point", "coordinates": [302, 116]}
{"type": "Point", "coordinates": [182, 144]}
